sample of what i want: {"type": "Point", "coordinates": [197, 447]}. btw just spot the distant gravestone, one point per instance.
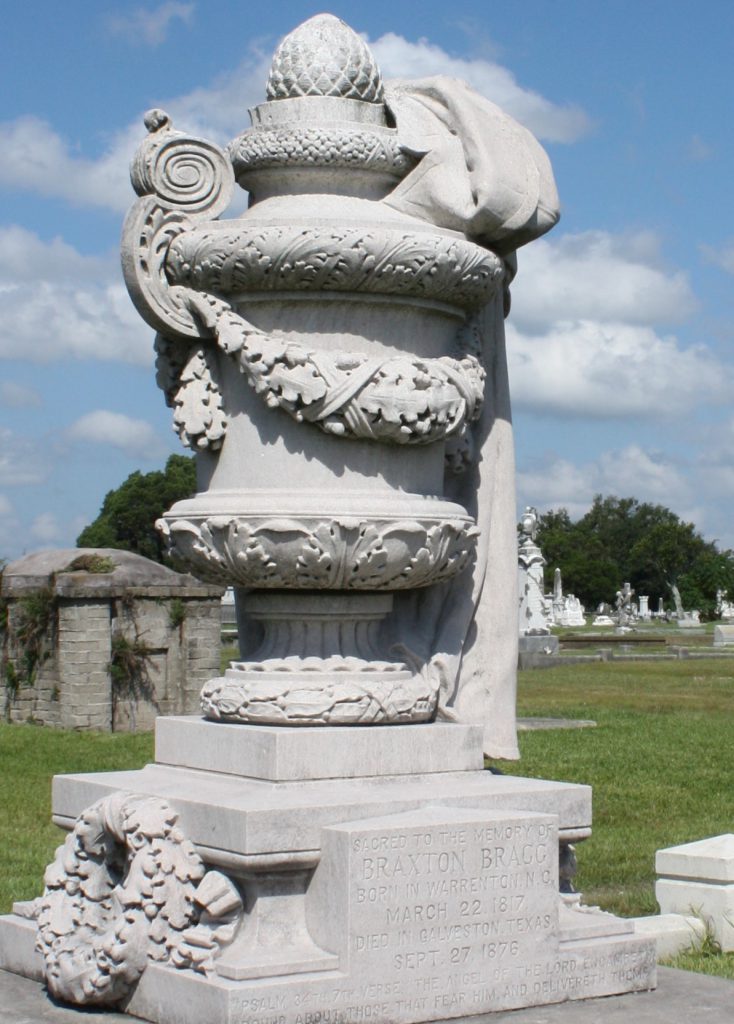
{"type": "Point", "coordinates": [535, 618]}
{"type": "Point", "coordinates": [724, 636]}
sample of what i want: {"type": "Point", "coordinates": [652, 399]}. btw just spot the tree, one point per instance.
{"type": "Point", "coordinates": [128, 514]}
{"type": "Point", "coordinates": [623, 540]}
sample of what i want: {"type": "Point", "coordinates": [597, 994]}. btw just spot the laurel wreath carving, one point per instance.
{"type": "Point", "coordinates": [393, 399]}
{"type": "Point", "coordinates": [127, 888]}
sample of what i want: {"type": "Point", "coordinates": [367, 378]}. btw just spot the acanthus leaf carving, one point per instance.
{"type": "Point", "coordinates": [241, 259]}
{"type": "Point", "coordinates": [316, 553]}
{"type": "Point", "coordinates": [188, 377]}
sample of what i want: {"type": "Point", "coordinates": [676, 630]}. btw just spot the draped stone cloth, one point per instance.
{"type": "Point", "coordinates": [480, 172]}
{"type": "Point", "coordinates": [484, 175]}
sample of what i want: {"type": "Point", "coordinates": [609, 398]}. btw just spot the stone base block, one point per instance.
{"type": "Point", "coordinates": [698, 878]}
{"type": "Point", "coordinates": [713, 903]}
{"type": "Point", "coordinates": [18, 947]}
{"type": "Point", "coordinates": [538, 644]}
{"type": "Point", "coordinates": [294, 753]}
{"type": "Point", "coordinates": [724, 635]}
{"type": "Point", "coordinates": [394, 898]}
{"type": "Point", "coordinates": [430, 914]}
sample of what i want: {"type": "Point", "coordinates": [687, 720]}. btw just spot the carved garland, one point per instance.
{"type": "Point", "coordinates": [395, 399]}
{"type": "Point", "coordinates": [354, 701]}
{"type": "Point", "coordinates": [125, 888]}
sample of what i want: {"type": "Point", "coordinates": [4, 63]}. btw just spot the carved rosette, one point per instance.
{"type": "Point", "coordinates": [313, 553]}
{"type": "Point", "coordinates": [127, 888]}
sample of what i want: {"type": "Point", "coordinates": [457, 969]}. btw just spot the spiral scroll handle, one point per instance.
{"type": "Point", "coordinates": [179, 179]}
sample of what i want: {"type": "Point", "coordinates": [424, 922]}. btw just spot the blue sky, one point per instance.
{"type": "Point", "coordinates": [621, 333]}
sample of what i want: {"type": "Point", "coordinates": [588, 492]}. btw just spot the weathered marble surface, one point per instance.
{"type": "Point", "coordinates": [335, 357]}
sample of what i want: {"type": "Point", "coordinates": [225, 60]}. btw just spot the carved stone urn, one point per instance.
{"type": "Point", "coordinates": [322, 356]}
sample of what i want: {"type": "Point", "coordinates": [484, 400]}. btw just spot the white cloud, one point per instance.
{"type": "Point", "coordinates": [698, 149]}
{"type": "Point", "coordinates": [35, 158]}
{"type": "Point", "coordinates": [629, 472]}
{"type": "Point", "coordinates": [583, 335]}
{"type": "Point", "coordinates": [399, 58]}
{"type": "Point", "coordinates": [21, 461]}
{"type": "Point", "coordinates": [45, 528]}
{"type": "Point", "coordinates": [150, 26]}
{"type": "Point", "coordinates": [722, 257]}
{"type": "Point", "coordinates": [58, 303]}
{"type": "Point", "coordinates": [134, 437]}
{"type": "Point", "coordinates": [611, 370]}
{"type": "Point", "coordinates": [17, 396]}
{"type": "Point", "coordinates": [601, 276]}
{"type": "Point", "coordinates": [9, 529]}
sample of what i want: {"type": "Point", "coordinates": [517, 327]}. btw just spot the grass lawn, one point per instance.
{"type": "Point", "coordinates": [659, 761]}
{"type": "Point", "coordinates": [29, 757]}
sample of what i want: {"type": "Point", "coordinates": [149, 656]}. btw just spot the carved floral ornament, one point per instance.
{"type": "Point", "coordinates": [321, 553]}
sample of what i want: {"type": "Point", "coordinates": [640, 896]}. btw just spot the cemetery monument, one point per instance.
{"type": "Point", "coordinates": [324, 843]}
{"type": "Point", "coordinates": [535, 612]}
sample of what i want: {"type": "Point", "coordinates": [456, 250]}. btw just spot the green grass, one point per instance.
{"type": "Point", "coordinates": [658, 762]}
{"type": "Point", "coordinates": [721, 965]}
{"type": "Point", "coordinates": [29, 757]}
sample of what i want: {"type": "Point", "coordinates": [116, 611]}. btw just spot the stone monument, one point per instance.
{"type": "Point", "coordinates": [535, 613]}
{"type": "Point", "coordinates": [324, 844]}
{"type": "Point", "coordinates": [626, 607]}
{"type": "Point", "coordinates": [566, 609]}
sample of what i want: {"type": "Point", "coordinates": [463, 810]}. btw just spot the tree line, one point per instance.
{"type": "Point", "coordinates": [623, 540]}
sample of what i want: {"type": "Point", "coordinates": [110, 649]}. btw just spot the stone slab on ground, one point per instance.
{"type": "Point", "coordinates": [532, 724]}
{"type": "Point", "coordinates": [538, 644]}
{"type": "Point", "coordinates": [698, 878]}
{"type": "Point", "coordinates": [681, 996]}
{"type": "Point", "coordinates": [672, 932]}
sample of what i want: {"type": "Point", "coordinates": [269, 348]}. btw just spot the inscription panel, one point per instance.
{"type": "Point", "coordinates": [451, 904]}
{"type": "Point", "coordinates": [435, 913]}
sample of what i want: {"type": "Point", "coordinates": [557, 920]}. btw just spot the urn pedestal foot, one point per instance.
{"type": "Point", "coordinates": [320, 662]}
